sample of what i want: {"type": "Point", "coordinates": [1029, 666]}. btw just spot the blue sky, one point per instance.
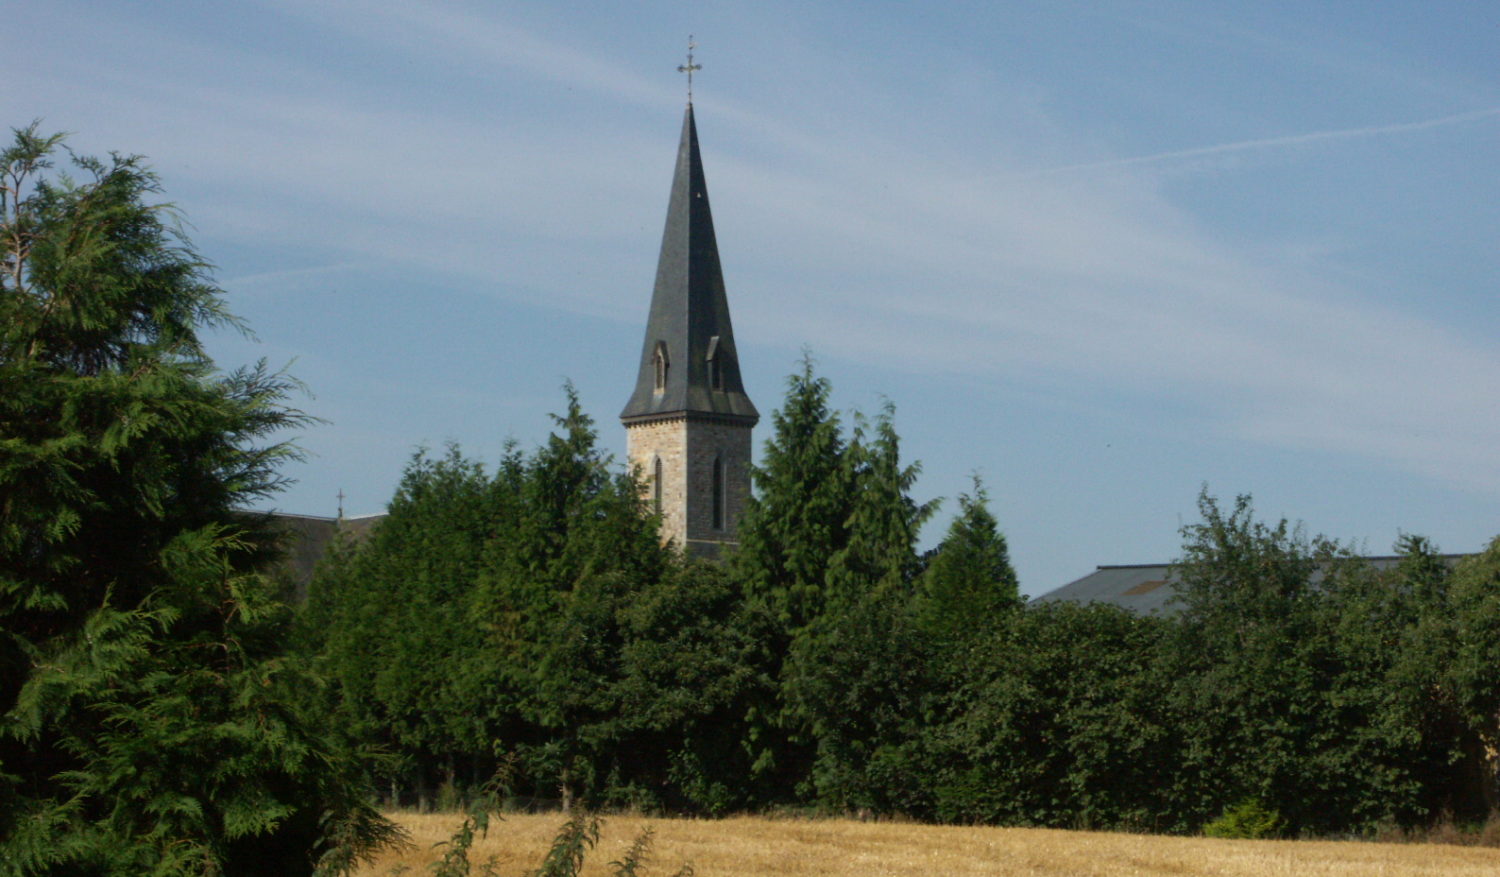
{"type": "Point", "coordinates": [1099, 253]}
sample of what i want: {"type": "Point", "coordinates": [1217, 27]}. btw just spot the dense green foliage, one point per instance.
{"type": "Point", "coordinates": [535, 609]}
{"type": "Point", "coordinates": [150, 720]}
{"type": "Point", "coordinates": [827, 664]}
{"type": "Point", "coordinates": [1247, 820]}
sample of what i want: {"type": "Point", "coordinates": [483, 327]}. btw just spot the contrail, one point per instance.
{"type": "Point", "coordinates": [1272, 142]}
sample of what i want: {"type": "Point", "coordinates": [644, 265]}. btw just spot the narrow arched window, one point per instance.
{"type": "Point", "coordinates": [660, 364]}
{"type": "Point", "coordinates": [718, 494]}
{"type": "Point", "coordinates": [656, 484]}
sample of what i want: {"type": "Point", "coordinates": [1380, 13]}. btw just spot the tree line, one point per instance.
{"type": "Point", "coordinates": [531, 614]}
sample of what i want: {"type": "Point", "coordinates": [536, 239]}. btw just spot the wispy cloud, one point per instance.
{"type": "Point", "coordinates": [419, 27]}
{"type": "Point", "coordinates": [854, 236]}
{"type": "Point", "coordinates": [1107, 286]}
{"type": "Point", "coordinates": [283, 278]}
{"type": "Point", "coordinates": [1266, 143]}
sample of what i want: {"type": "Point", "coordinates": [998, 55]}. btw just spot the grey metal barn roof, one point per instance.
{"type": "Point", "coordinates": [1148, 588]}
{"type": "Point", "coordinates": [1142, 588]}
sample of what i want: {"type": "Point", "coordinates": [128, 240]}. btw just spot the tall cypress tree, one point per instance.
{"type": "Point", "coordinates": [884, 521]}
{"type": "Point", "coordinates": [827, 555]}
{"type": "Point", "coordinates": [578, 548]}
{"type": "Point", "coordinates": [798, 516]}
{"type": "Point", "coordinates": [796, 519]}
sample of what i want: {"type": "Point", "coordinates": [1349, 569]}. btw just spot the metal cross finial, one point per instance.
{"type": "Point", "coordinates": [341, 503]}
{"type": "Point", "coordinates": [689, 67]}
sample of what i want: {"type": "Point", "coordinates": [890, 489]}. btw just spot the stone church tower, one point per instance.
{"type": "Point", "coordinates": [687, 425]}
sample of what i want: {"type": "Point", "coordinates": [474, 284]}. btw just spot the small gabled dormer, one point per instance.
{"type": "Point", "coordinates": [715, 365]}
{"type": "Point", "coordinates": [660, 363]}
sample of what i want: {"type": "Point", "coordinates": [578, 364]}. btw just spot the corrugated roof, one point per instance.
{"type": "Point", "coordinates": [1145, 588]}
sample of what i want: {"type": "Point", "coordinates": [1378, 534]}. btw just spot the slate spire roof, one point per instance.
{"type": "Point", "coordinates": [689, 363]}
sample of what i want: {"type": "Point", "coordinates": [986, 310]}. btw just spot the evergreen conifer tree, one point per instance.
{"type": "Point", "coordinates": [388, 619]}
{"type": "Point", "coordinates": [148, 720]}
{"type": "Point", "coordinates": [884, 521]}
{"type": "Point", "coordinates": [796, 519]}
{"type": "Point", "coordinates": [827, 554]}
{"type": "Point", "coordinates": [798, 516]}
{"type": "Point", "coordinates": [969, 582]}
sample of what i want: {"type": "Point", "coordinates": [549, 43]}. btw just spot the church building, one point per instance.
{"type": "Point", "coordinates": [688, 423]}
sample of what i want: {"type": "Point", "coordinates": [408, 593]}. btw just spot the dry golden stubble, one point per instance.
{"type": "Point", "coordinates": [750, 846]}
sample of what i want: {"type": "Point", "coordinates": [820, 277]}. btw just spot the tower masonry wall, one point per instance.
{"type": "Point", "coordinates": [664, 440]}
{"type": "Point", "coordinates": [688, 448]}
{"type": "Point", "coordinates": [729, 443]}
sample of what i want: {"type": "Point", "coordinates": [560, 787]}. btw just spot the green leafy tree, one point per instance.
{"type": "Point", "coordinates": [664, 723]}
{"type": "Point", "coordinates": [149, 722]}
{"type": "Point", "coordinates": [1251, 650]}
{"type": "Point", "coordinates": [969, 583]}
{"type": "Point", "coordinates": [1328, 681]}
{"type": "Point", "coordinates": [1473, 677]}
{"type": "Point", "coordinates": [1058, 721]}
{"type": "Point", "coordinates": [1406, 755]}
{"type": "Point", "coordinates": [863, 688]}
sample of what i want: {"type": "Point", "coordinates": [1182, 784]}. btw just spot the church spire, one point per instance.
{"type": "Point", "coordinates": [688, 423]}
{"type": "Point", "coordinates": [688, 362]}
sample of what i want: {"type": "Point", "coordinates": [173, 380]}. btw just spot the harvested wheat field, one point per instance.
{"type": "Point", "coordinates": [759, 846]}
